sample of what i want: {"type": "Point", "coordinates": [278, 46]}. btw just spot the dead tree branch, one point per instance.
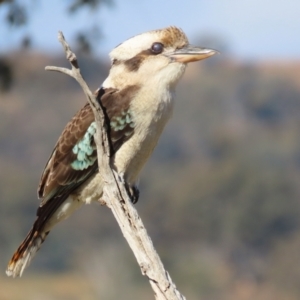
{"type": "Point", "coordinates": [116, 197]}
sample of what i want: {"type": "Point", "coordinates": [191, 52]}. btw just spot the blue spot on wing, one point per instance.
{"type": "Point", "coordinates": [84, 149]}
{"type": "Point", "coordinates": [75, 149]}
{"type": "Point", "coordinates": [120, 122]}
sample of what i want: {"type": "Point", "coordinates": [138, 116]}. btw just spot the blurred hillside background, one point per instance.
{"type": "Point", "coordinates": [221, 195]}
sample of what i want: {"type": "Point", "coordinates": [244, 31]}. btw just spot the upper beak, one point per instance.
{"type": "Point", "coordinates": [190, 54]}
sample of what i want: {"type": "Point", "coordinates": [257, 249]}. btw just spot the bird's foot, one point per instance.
{"type": "Point", "coordinates": [132, 190]}
{"type": "Point", "coordinates": [133, 193]}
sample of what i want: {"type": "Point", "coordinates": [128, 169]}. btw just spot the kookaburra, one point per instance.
{"type": "Point", "coordinates": [138, 99]}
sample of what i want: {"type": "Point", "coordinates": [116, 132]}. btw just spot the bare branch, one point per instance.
{"type": "Point", "coordinates": [59, 69]}
{"type": "Point", "coordinates": [116, 198]}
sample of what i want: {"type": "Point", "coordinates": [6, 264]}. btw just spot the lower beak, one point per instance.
{"type": "Point", "coordinates": [190, 54]}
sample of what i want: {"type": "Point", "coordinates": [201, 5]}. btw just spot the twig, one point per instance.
{"type": "Point", "coordinates": [116, 197]}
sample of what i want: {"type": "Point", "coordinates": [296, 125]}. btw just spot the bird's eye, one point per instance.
{"type": "Point", "coordinates": [157, 48]}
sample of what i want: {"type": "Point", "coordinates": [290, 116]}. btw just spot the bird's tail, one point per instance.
{"type": "Point", "coordinates": [35, 238]}
{"type": "Point", "coordinates": [26, 251]}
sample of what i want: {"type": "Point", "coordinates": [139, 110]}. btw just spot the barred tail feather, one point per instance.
{"type": "Point", "coordinates": [48, 214]}
{"type": "Point", "coordinates": [22, 257]}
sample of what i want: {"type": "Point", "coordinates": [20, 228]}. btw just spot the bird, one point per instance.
{"type": "Point", "coordinates": [138, 100]}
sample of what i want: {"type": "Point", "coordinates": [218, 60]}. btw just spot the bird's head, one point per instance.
{"type": "Point", "coordinates": [158, 56]}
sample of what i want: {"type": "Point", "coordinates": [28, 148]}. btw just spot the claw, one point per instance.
{"type": "Point", "coordinates": [134, 194]}
{"type": "Point", "coordinates": [132, 190]}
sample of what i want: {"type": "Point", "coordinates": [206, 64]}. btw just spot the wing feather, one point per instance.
{"type": "Point", "coordinates": [60, 176]}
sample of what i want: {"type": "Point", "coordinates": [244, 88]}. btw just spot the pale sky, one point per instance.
{"type": "Point", "coordinates": [253, 29]}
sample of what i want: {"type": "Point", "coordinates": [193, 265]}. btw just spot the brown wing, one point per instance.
{"type": "Point", "coordinates": [59, 172]}
{"type": "Point", "coordinates": [117, 109]}
{"type": "Point", "coordinates": [74, 157]}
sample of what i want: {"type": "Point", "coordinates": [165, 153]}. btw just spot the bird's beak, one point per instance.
{"type": "Point", "coordinates": [190, 54]}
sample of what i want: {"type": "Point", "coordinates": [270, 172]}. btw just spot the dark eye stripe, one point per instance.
{"type": "Point", "coordinates": [134, 63]}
